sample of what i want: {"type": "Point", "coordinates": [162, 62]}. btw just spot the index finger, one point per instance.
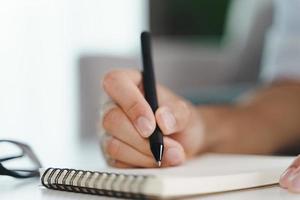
{"type": "Point", "coordinates": [122, 87]}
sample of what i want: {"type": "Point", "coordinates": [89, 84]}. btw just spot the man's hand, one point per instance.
{"type": "Point", "coordinates": [290, 179]}
{"type": "Point", "coordinates": [132, 121]}
{"type": "Point", "coordinates": [264, 124]}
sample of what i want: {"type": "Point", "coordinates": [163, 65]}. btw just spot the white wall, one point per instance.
{"type": "Point", "coordinates": [40, 42]}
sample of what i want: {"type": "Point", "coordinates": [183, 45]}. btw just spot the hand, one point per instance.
{"type": "Point", "coordinates": [132, 122]}
{"type": "Point", "coordinates": [264, 124]}
{"type": "Point", "coordinates": [290, 179]}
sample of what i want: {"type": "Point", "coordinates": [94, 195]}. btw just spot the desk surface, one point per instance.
{"type": "Point", "coordinates": [89, 157]}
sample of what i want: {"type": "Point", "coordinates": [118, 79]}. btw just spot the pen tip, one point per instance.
{"type": "Point", "coordinates": [159, 163]}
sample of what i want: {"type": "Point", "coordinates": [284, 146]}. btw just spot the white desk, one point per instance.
{"type": "Point", "coordinates": [90, 158]}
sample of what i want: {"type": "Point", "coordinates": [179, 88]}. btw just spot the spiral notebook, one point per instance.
{"type": "Point", "coordinates": [208, 174]}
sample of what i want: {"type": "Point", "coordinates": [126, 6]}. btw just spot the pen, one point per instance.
{"type": "Point", "coordinates": [156, 138]}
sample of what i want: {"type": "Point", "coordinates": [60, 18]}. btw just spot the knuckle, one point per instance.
{"type": "Point", "coordinates": [113, 148]}
{"type": "Point", "coordinates": [112, 118]}
{"type": "Point", "coordinates": [110, 78]}
{"type": "Point", "coordinates": [185, 108]}
{"type": "Point", "coordinates": [183, 105]}
{"type": "Point", "coordinates": [136, 109]}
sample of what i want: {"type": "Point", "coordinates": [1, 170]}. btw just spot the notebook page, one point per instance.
{"type": "Point", "coordinates": [216, 164]}
{"type": "Point", "coordinates": [213, 173]}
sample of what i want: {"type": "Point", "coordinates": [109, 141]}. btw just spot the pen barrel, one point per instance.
{"type": "Point", "coordinates": [148, 72]}
{"type": "Point", "coordinates": [156, 138]}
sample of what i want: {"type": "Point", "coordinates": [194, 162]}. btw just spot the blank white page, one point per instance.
{"type": "Point", "coordinates": [216, 164]}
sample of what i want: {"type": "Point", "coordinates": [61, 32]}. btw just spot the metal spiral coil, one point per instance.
{"type": "Point", "coordinates": [96, 183]}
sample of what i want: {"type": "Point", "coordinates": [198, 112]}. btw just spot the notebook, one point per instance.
{"type": "Point", "coordinates": [210, 173]}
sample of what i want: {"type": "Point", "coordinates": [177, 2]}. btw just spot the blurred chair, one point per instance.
{"type": "Point", "coordinates": [186, 67]}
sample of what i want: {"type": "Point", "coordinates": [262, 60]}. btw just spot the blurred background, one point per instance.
{"type": "Point", "coordinates": [54, 53]}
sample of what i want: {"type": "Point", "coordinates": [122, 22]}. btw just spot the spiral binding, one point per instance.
{"type": "Point", "coordinates": [97, 183]}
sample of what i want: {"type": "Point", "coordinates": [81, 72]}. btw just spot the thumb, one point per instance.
{"type": "Point", "coordinates": [173, 117]}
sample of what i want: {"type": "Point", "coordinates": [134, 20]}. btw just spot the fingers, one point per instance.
{"type": "Point", "coordinates": [290, 179]}
{"type": "Point", "coordinates": [173, 153]}
{"type": "Point", "coordinates": [296, 162]}
{"type": "Point", "coordinates": [119, 151]}
{"type": "Point", "coordinates": [119, 164]}
{"type": "Point", "coordinates": [117, 124]}
{"type": "Point", "coordinates": [173, 116]}
{"type": "Point", "coordinates": [122, 87]}
{"type": "Point", "coordinates": [126, 156]}
{"type": "Point", "coordinates": [132, 120]}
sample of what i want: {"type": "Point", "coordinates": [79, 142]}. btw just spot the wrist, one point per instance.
{"type": "Point", "coordinates": [216, 126]}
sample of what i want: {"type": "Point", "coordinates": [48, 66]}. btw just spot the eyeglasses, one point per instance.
{"type": "Point", "coordinates": [15, 151]}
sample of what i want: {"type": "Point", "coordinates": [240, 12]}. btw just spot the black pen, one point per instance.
{"type": "Point", "coordinates": [156, 139]}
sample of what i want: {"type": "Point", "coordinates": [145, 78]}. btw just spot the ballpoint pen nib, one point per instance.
{"type": "Point", "coordinates": [159, 163]}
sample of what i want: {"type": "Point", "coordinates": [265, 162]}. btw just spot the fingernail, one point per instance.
{"type": "Point", "coordinates": [285, 177]}
{"type": "Point", "coordinates": [144, 126]}
{"type": "Point", "coordinates": [173, 156]}
{"type": "Point", "coordinates": [295, 183]}
{"type": "Point", "coordinates": [168, 120]}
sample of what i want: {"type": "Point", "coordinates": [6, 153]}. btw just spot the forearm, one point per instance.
{"type": "Point", "coordinates": [278, 107]}
{"type": "Point", "coordinates": [265, 123]}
